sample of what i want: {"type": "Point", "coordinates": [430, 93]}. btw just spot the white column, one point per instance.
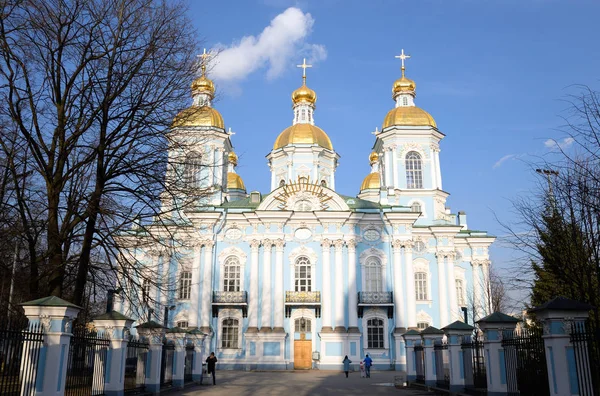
{"type": "Point", "coordinates": [352, 294]}
{"type": "Point", "coordinates": [326, 293]}
{"type": "Point", "coordinates": [211, 165]}
{"type": "Point", "coordinates": [339, 286]}
{"type": "Point", "coordinates": [433, 168]}
{"type": "Point", "coordinates": [279, 299]}
{"type": "Point", "coordinates": [442, 289]}
{"type": "Point", "coordinates": [477, 290]}
{"type": "Point", "coordinates": [266, 309]}
{"type": "Point", "coordinates": [453, 315]}
{"type": "Point", "coordinates": [289, 164]}
{"type": "Point", "coordinates": [399, 314]}
{"type": "Point", "coordinates": [253, 298]}
{"type": "Point", "coordinates": [411, 300]}
{"type": "Point", "coordinates": [438, 170]}
{"type": "Point", "coordinates": [207, 285]}
{"type": "Point", "coordinates": [315, 170]}
{"type": "Point", "coordinates": [394, 154]}
{"type": "Point", "coordinates": [195, 294]}
{"type": "Point", "coordinates": [486, 303]}
{"type": "Point", "coordinates": [388, 169]}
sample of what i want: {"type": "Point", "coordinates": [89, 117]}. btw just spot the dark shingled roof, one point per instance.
{"type": "Point", "coordinates": [563, 304]}
{"type": "Point", "coordinates": [412, 332]}
{"type": "Point", "coordinates": [458, 325]}
{"type": "Point", "coordinates": [176, 330]}
{"type": "Point", "coordinates": [113, 315]}
{"type": "Point", "coordinates": [498, 317]}
{"type": "Point", "coordinates": [150, 325]}
{"type": "Point", "coordinates": [432, 330]}
{"type": "Point", "coordinates": [51, 301]}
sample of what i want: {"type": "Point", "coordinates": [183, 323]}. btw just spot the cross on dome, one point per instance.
{"type": "Point", "coordinates": [304, 66]}
{"type": "Point", "coordinates": [402, 58]}
{"type": "Point", "coordinates": [203, 59]}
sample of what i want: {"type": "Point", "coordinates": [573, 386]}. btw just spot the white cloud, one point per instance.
{"type": "Point", "coordinates": [502, 160]}
{"type": "Point", "coordinates": [559, 145]}
{"type": "Point", "coordinates": [280, 43]}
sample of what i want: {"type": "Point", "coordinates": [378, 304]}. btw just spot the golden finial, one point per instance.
{"type": "Point", "coordinates": [402, 57]}
{"type": "Point", "coordinates": [203, 60]}
{"type": "Point", "coordinates": [304, 66]}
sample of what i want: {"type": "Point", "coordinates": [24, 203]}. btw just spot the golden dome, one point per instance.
{"type": "Point", "coordinates": [203, 85]}
{"type": "Point", "coordinates": [235, 182]}
{"type": "Point", "coordinates": [303, 134]}
{"type": "Point", "coordinates": [233, 158]}
{"type": "Point", "coordinates": [403, 84]}
{"type": "Point", "coordinates": [371, 182]}
{"type": "Point", "coordinates": [304, 94]}
{"type": "Point", "coordinates": [408, 116]}
{"type": "Point", "coordinates": [199, 116]}
{"type": "Point", "coordinates": [374, 157]}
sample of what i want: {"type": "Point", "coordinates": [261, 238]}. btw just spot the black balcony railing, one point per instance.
{"type": "Point", "coordinates": [234, 299]}
{"type": "Point", "coordinates": [375, 298]}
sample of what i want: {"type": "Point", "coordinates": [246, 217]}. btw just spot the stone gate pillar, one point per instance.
{"type": "Point", "coordinates": [455, 332]}
{"type": "Point", "coordinates": [178, 337]}
{"type": "Point", "coordinates": [430, 336]}
{"type": "Point", "coordinates": [196, 337]}
{"type": "Point", "coordinates": [153, 333]}
{"type": "Point", "coordinates": [411, 337]}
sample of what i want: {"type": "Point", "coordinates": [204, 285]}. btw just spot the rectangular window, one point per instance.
{"type": "Point", "coordinates": [229, 337]}
{"type": "Point", "coordinates": [302, 280]}
{"type": "Point", "coordinates": [146, 287]}
{"type": "Point", "coordinates": [421, 286]}
{"type": "Point", "coordinates": [460, 293]}
{"type": "Point", "coordinates": [231, 278]}
{"type": "Point", "coordinates": [375, 333]}
{"type": "Point", "coordinates": [185, 285]}
{"type": "Point", "coordinates": [183, 324]}
{"type": "Point", "coordinates": [422, 325]}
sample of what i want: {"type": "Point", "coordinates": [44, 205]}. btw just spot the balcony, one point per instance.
{"type": "Point", "coordinates": [230, 299]}
{"type": "Point", "coordinates": [302, 299]}
{"type": "Point", "coordinates": [376, 299]}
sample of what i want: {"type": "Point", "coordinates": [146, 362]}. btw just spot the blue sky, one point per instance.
{"type": "Point", "coordinates": [493, 74]}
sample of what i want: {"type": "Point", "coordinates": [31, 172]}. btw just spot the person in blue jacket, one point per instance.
{"type": "Point", "coordinates": [346, 365]}
{"type": "Point", "coordinates": [368, 363]}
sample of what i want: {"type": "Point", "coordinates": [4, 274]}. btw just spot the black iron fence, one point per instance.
{"type": "Point", "coordinates": [166, 365]}
{"type": "Point", "coordinates": [87, 363]}
{"type": "Point", "coordinates": [586, 351]}
{"type": "Point", "coordinates": [135, 366]}
{"type": "Point", "coordinates": [525, 361]}
{"type": "Point", "coordinates": [419, 364]}
{"type": "Point", "coordinates": [189, 363]}
{"type": "Point", "coordinates": [442, 374]}
{"type": "Point", "coordinates": [474, 365]}
{"type": "Point", "coordinates": [20, 346]}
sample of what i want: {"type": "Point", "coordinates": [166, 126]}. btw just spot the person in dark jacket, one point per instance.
{"type": "Point", "coordinates": [368, 363]}
{"type": "Point", "coordinates": [210, 366]}
{"type": "Point", "coordinates": [346, 365]}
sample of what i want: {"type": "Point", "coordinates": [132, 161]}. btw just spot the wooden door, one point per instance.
{"type": "Point", "coordinates": [302, 354]}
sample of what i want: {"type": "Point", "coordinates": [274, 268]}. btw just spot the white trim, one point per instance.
{"type": "Point", "coordinates": [420, 202]}
{"type": "Point", "coordinates": [312, 256]}
{"type": "Point", "coordinates": [308, 314]}
{"type": "Point", "coordinates": [234, 314]}
{"type": "Point", "coordinates": [364, 256]}
{"type": "Point", "coordinates": [223, 256]}
{"type": "Point", "coordinates": [423, 316]}
{"type": "Point", "coordinates": [372, 313]}
{"type": "Point", "coordinates": [460, 274]}
{"type": "Point", "coordinates": [422, 265]}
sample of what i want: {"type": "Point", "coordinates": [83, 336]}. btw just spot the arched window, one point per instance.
{"type": "Point", "coordinates": [302, 325]}
{"type": "Point", "coordinates": [229, 335]}
{"type": "Point", "coordinates": [323, 183]}
{"type": "Point", "coordinates": [302, 279]}
{"type": "Point", "coordinates": [415, 207]}
{"type": "Point", "coordinates": [303, 114]}
{"type": "Point", "coordinates": [231, 274]}
{"type": "Point", "coordinates": [375, 333]}
{"type": "Point", "coordinates": [421, 286]}
{"type": "Point", "coordinates": [185, 285]}
{"type": "Point", "coordinates": [460, 292]}
{"type": "Point", "coordinates": [281, 183]}
{"type": "Point", "coordinates": [404, 101]}
{"type": "Point", "coordinates": [193, 167]}
{"type": "Point", "coordinates": [373, 279]}
{"type": "Point", "coordinates": [146, 287]}
{"type": "Point", "coordinates": [414, 170]}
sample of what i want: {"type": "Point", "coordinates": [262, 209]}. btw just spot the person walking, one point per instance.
{"type": "Point", "coordinates": [362, 369]}
{"type": "Point", "coordinates": [368, 363]}
{"type": "Point", "coordinates": [346, 365]}
{"type": "Point", "coordinates": [210, 366]}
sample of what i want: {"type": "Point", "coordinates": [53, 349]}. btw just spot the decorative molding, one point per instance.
{"type": "Point", "coordinates": [397, 244]}
{"type": "Point", "coordinates": [351, 243]}
{"type": "Point", "coordinates": [45, 321]}
{"type": "Point", "coordinates": [254, 245]}
{"type": "Point", "coordinates": [338, 244]}
{"type": "Point", "coordinates": [380, 254]}
{"type": "Point", "coordinates": [303, 251]}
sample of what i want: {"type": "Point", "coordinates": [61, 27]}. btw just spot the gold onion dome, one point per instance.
{"type": "Point", "coordinates": [235, 182]}
{"type": "Point", "coordinates": [195, 116]}
{"type": "Point", "coordinates": [303, 134]}
{"type": "Point", "coordinates": [304, 94]}
{"type": "Point", "coordinates": [203, 85]}
{"type": "Point", "coordinates": [403, 85]}
{"type": "Point", "coordinates": [371, 182]}
{"type": "Point", "coordinates": [408, 116]}
{"type": "Point", "coordinates": [233, 158]}
{"type": "Point", "coordinates": [374, 157]}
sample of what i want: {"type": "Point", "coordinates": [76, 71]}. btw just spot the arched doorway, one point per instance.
{"type": "Point", "coordinates": [303, 343]}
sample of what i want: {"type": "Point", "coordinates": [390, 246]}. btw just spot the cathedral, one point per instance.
{"type": "Point", "coordinates": [299, 276]}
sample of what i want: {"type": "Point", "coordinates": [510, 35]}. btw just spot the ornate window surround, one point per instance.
{"type": "Point", "coordinates": [240, 255]}
{"type": "Point", "coordinates": [373, 313]}
{"type": "Point", "coordinates": [183, 265]}
{"type": "Point", "coordinates": [312, 256]}
{"type": "Point", "coordinates": [460, 274]}
{"type": "Point", "coordinates": [382, 257]}
{"type": "Point", "coordinates": [423, 316]}
{"type": "Point", "coordinates": [420, 202]}
{"type": "Point", "coordinates": [422, 265]}
{"type": "Point", "coordinates": [227, 314]}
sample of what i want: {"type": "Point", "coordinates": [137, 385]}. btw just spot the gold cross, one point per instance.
{"type": "Point", "coordinates": [203, 58]}
{"type": "Point", "coordinates": [402, 57]}
{"type": "Point", "coordinates": [304, 66]}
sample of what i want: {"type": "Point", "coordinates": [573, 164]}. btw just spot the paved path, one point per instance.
{"type": "Point", "coordinates": [298, 383]}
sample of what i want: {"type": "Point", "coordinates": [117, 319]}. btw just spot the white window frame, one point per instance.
{"type": "Point", "coordinates": [223, 256]}
{"type": "Point", "coordinates": [424, 317]}
{"type": "Point", "coordinates": [421, 203]}
{"type": "Point", "coordinates": [309, 286]}
{"type": "Point", "coordinates": [382, 257]}
{"type": "Point", "coordinates": [181, 295]}
{"type": "Point", "coordinates": [460, 275]}
{"type": "Point", "coordinates": [422, 265]}
{"type": "Point", "coordinates": [230, 314]}
{"type": "Point", "coordinates": [232, 262]}
{"type": "Point", "coordinates": [372, 314]}
{"type": "Point", "coordinates": [374, 269]}
{"type": "Point", "coordinates": [294, 254]}
{"type": "Point", "coordinates": [415, 170]}
{"type": "Point", "coordinates": [192, 169]}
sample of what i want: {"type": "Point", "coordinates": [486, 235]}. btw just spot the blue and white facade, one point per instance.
{"type": "Point", "coordinates": [261, 272]}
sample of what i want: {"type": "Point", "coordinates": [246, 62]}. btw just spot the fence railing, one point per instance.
{"type": "Point", "coordinates": [166, 365]}
{"type": "Point", "coordinates": [474, 365]}
{"type": "Point", "coordinates": [87, 363]}
{"type": "Point", "coordinates": [375, 298]}
{"type": "Point", "coordinates": [442, 375]}
{"type": "Point", "coordinates": [586, 351]}
{"type": "Point", "coordinates": [420, 364]}
{"type": "Point", "coordinates": [19, 357]}
{"type": "Point", "coordinates": [189, 363]}
{"type": "Point", "coordinates": [135, 366]}
{"type": "Point", "coordinates": [525, 361]}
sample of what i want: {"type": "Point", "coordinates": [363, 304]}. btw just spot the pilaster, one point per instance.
{"type": "Point", "coordinates": [339, 288]}
{"type": "Point", "coordinates": [253, 303]}
{"type": "Point", "coordinates": [352, 293]}
{"type": "Point", "coordinates": [326, 314]}
{"type": "Point", "coordinates": [279, 295]}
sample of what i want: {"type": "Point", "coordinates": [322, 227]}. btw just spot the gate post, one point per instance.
{"type": "Point", "coordinates": [410, 338]}
{"type": "Point", "coordinates": [493, 327]}
{"type": "Point", "coordinates": [455, 333]}
{"type": "Point", "coordinates": [55, 315]}
{"type": "Point", "coordinates": [114, 326]}
{"type": "Point", "coordinates": [197, 337]}
{"type": "Point", "coordinates": [177, 336]}
{"type": "Point", "coordinates": [430, 336]}
{"type": "Point", "coordinates": [154, 333]}
{"type": "Point", "coordinates": [557, 316]}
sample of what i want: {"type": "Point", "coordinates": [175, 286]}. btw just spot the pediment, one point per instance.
{"type": "Point", "coordinates": [304, 196]}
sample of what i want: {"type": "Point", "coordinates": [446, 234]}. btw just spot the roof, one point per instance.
{"type": "Point", "coordinates": [498, 317]}
{"type": "Point", "coordinates": [150, 325]}
{"type": "Point", "coordinates": [113, 315]}
{"type": "Point", "coordinates": [458, 325]}
{"type": "Point", "coordinates": [51, 301]}
{"type": "Point", "coordinates": [432, 330]}
{"type": "Point", "coordinates": [563, 304]}
{"type": "Point", "coordinates": [412, 332]}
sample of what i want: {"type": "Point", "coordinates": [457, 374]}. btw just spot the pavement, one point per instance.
{"type": "Point", "coordinates": [298, 383]}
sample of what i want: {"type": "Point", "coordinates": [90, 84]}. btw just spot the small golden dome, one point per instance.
{"type": "Point", "coordinates": [408, 116]}
{"type": "Point", "coordinates": [235, 182]}
{"type": "Point", "coordinates": [303, 134]}
{"type": "Point", "coordinates": [203, 85]}
{"type": "Point", "coordinates": [374, 157]}
{"type": "Point", "coordinates": [233, 158]}
{"type": "Point", "coordinates": [304, 94]}
{"type": "Point", "coordinates": [371, 182]}
{"type": "Point", "coordinates": [403, 84]}
{"type": "Point", "coordinates": [199, 116]}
